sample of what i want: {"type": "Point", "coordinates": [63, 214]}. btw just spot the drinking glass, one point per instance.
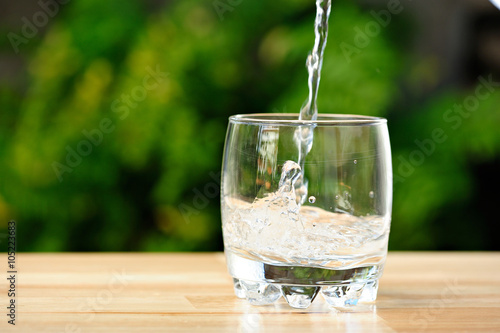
{"type": "Point", "coordinates": [306, 207]}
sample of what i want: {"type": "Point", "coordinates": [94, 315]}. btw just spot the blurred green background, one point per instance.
{"type": "Point", "coordinates": [98, 154]}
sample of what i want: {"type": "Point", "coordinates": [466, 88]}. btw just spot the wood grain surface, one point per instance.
{"type": "Point", "coordinates": [128, 292]}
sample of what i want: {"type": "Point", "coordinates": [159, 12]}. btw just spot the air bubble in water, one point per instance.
{"type": "Point", "coordinates": [371, 194]}
{"type": "Point", "coordinates": [337, 197]}
{"type": "Point", "coordinates": [312, 199]}
{"type": "Point", "coordinates": [355, 161]}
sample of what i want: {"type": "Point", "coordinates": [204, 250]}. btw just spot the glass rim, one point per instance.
{"type": "Point", "coordinates": [291, 119]}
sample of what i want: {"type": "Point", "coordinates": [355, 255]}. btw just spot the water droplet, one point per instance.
{"type": "Point", "coordinates": [337, 197]}
{"type": "Point", "coordinates": [372, 194]}
{"type": "Point", "coordinates": [355, 161]}
{"type": "Point", "coordinates": [312, 199]}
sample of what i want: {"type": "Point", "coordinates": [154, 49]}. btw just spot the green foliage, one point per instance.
{"type": "Point", "coordinates": [444, 179]}
{"type": "Point", "coordinates": [139, 188]}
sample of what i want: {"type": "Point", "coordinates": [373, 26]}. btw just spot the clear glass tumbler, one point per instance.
{"type": "Point", "coordinates": [306, 207]}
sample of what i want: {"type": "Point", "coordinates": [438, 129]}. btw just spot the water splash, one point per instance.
{"type": "Point", "coordinates": [290, 172]}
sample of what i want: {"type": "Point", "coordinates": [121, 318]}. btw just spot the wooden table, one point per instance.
{"type": "Point", "coordinates": [419, 292]}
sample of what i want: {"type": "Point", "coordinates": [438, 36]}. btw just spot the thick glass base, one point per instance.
{"type": "Point", "coordinates": [261, 283]}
